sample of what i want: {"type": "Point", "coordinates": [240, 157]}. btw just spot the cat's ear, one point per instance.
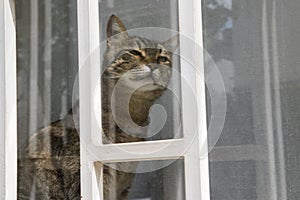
{"type": "Point", "coordinates": [115, 26]}
{"type": "Point", "coordinates": [172, 43]}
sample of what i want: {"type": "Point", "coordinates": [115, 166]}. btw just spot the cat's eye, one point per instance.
{"type": "Point", "coordinates": [126, 56]}
{"type": "Point", "coordinates": [136, 53]}
{"type": "Point", "coordinates": [162, 59]}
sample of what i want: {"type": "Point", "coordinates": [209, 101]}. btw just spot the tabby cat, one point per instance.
{"type": "Point", "coordinates": [52, 163]}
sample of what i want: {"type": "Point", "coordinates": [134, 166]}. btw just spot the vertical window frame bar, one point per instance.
{"type": "Point", "coordinates": [88, 40]}
{"type": "Point", "coordinates": [196, 168]}
{"type": "Point", "coordinates": [202, 111]}
{"type": "Point", "coordinates": [8, 103]}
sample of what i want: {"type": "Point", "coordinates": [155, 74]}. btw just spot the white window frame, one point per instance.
{"type": "Point", "coordinates": [8, 103]}
{"type": "Point", "coordinates": [196, 169]}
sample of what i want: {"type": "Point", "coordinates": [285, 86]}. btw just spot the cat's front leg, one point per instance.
{"type": "Point", "coordinates": [48, 179]}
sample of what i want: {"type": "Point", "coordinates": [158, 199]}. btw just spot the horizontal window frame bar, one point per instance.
{"type": "Point", "coordinates": [138, 151]}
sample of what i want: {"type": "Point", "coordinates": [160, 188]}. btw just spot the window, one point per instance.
{"type": "Point", "coordinates": [185, 172]}
{"type": "Point", "coordinates": [245, 113]}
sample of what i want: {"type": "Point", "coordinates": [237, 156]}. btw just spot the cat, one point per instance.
{"type": "Point", "coordinates": [53, 156]}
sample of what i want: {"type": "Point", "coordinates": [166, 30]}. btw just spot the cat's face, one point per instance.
{"type": "Point", "coordinates": [137, 61]}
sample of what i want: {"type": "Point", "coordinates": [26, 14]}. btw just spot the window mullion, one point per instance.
{"type": "Point", "coordinates": [2, 99]}
{"type": "Point", "coordinates": [201, 95]}
{"type": "Point", "coordinates": [85, 48]}
{"type": "Point", "coordinates": [8, 103]}
{"type": "Point", "coordinates": [196, 168]}
{"type": "Point", "coordinates": [154, 150]}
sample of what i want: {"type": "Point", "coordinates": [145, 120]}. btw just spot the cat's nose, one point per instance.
{"type": "Point", "coordinates": [152, 66]}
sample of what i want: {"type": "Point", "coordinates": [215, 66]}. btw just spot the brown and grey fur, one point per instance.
{"type": "Point", "coordinates": [53, 162]}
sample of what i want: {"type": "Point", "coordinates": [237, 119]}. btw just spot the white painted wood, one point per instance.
{"type": "Point", "coordinates": [95, 72]}
{"type": "Point", "coordinates": [8, 104]}
{"type": "Point", "coordinates": [2, 101]}
{"type": "Point", "coordinates": [85, 127]}
{"type": "Point", "coordinates": [154, 150]}
{"type": "Point", "coordinates": [201, 102]}
{"type": "Point", "coordinates": [89, 72]}
{"type": "Point", "coordinates": [196, 169]}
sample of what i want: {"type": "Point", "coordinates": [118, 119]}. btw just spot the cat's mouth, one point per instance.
{"type": "Point", "coordinates": [139, 73]}
{"type": "Point", "coordinates": [144, 74]}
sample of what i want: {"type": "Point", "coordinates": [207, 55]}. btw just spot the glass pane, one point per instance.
{"type": "Point", "coordinates": [146, 180]}
{"type": "Point", "coordinates": [255, 45]}
{"type": "Point", "coordinates": [48, 143]}
{"type": "Point", "coordinates": [152, 52]}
